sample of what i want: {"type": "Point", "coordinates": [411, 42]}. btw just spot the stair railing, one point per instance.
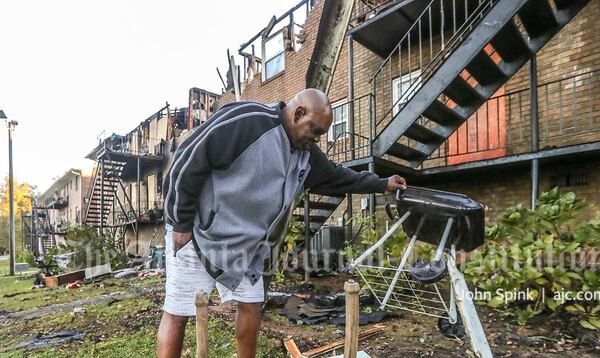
{"type": "Point", "coordinates": [419, 56]}
{"type": "Point", "coordinates": [90, 191]}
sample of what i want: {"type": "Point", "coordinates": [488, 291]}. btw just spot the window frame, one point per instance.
{"type": "Point", "coordinates": [264, 59]}
{"type": "Point", "coordinates": [403, 79]}
{"type": "Point", "coordinates": [330, 133]}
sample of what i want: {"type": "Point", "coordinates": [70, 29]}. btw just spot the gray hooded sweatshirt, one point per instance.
{"type": "Point", "coordinates": [233, 182]}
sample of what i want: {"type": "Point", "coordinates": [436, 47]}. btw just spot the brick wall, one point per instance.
{"type": "Point", "coordinates": [283, 86]}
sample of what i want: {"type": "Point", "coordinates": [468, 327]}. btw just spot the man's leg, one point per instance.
{"type": "Point", "coordinates": [170, 335]}
{"type": "Point", "coordinates": [185, 277]}
{"type": "Point", "coordinates": [250, 299]}
{"type": "Point", "coordinates": [247, 325]}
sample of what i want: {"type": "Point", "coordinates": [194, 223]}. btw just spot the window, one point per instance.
{"type": "Point", "coordinates": [339, 122]}
{"type": "Point", "coordinates": [570, 179]}
{"type": "Point", "coordinates": [404, 86]}
{"type": "Point", "coordinates": [76, 183]}
{"type": "Point", "coordinates": [159, 182]}
{"type": "Point", "coordinates": [274, 55]}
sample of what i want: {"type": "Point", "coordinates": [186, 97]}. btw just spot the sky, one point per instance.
{"type": "Point", "coordinates": [71, 69]}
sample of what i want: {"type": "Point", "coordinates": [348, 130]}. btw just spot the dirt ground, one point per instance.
{"type": "Point", "coordinates": [125, 323]}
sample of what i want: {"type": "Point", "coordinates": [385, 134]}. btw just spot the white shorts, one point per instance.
{"type": "Point", "coordinates": [186, 275]}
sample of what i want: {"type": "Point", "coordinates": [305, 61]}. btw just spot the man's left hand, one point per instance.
{"type": "Point", "coordinates": [396, 182]}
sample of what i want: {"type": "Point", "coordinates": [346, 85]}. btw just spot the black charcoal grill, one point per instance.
{"type": "Point", "coordinates": [449, 221]}
{"type": "Point", "coordinates": [432, 208]}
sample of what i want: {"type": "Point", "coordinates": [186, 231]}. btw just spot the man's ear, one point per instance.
{"type": "Point", "coordinates": [299, 113]}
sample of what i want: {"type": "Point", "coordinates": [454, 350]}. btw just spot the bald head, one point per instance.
{"type": "Point", "coordinates": [306, 117]}
{"type": "Point", "coordinates": [313, 99]}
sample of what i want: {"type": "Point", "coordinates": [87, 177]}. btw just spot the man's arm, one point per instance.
{"type": "Point", "coordinates": [325, 177]}
{"type": "Point", "coordinates": [227, 134]}
{"type": "Point", "coordinates": [191, 164]}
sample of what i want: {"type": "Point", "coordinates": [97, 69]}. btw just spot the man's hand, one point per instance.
{"type": "Point", "coordinates": [396, 182]}
{"type": "Point", "coordinates": [180, 239]}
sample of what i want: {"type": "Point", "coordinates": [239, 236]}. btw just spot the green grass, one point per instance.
{"type": "Point", "coordinates": [13, 284]}
{"type": "Point", "coordinates": [5, 268]}
{"type": "Point", "coordinates": [124, 329]}
{"type": "Point", "coordinates": [28, 298]}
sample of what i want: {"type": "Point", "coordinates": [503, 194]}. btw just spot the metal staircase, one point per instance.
{"type": "Point", "coordinates": [320, 208]}
{"type": "Point", "coordinates": [103, 191]}
{"type": "Point", "coordinates": [47, 233]}
{"type": "Point", "coordinates": [487, 43]}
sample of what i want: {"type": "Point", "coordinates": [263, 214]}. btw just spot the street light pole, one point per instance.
{"type": "Point", "coordinates": [11, 244]}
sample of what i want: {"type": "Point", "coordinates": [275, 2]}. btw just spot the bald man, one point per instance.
{"type": "Point", "coordinates": [228, 195]}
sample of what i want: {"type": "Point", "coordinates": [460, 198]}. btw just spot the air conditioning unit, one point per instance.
{"type": "Point", "coordinates": [324, 248]}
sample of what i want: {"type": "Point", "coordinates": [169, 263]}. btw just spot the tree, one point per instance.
{"type": "Point", "coordinates": [22, 200]}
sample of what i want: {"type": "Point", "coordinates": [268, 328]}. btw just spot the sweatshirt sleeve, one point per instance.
{"type": "Point", "coordinates": [215, 145]}
{"type": "Point", "coordinates": [191, 164]}
{"type": "Point", "coordinates": [325, 177]}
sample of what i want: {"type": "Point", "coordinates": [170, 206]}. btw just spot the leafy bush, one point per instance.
{"type": "Point", "coordinates": [25, 256]}
{"type": "Point", "coordinates": [92, 248]}
{"type": "Point", "coordinates": [294, 233]}
{"type": "Point", "coordinates": [545, 254]}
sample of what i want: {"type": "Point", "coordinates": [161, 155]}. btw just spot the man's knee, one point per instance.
{"type": "Point", "coordinates": [254, 307]}
{"type": "Point", "coordinates": [174, 320]}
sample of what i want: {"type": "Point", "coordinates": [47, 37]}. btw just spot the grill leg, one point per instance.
{"type": "Point", "coordinates": [440, 249]}
{"type": "Point", "coordinates": [407, 252]}
{"type": "Point", "coordinates": [381, 241]}
{"type": "Point", "coordinates": [470, 319]}
{"type": "Point", "coordinates": [452, 317]}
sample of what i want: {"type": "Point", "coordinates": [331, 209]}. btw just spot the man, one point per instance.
{"type": "Point", "coordinates": [229, 190]}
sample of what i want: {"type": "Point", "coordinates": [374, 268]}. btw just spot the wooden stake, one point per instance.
{"type": "Point", "coordinates": [201, 325]}
{"type": "Point", "coordinates": [352, 289]}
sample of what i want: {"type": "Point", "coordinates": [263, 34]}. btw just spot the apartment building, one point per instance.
{"type": "Point", "coordinates": [496, 99]}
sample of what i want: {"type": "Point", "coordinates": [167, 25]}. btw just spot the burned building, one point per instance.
{"type": "Point", "coordinates": [124, 200]}
{"type": "Point", "coordinates": [59, 207]}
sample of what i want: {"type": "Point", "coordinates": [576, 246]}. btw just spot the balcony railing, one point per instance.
{"type": "Point", "coordinates": [138, 146]}
{"type": "Point", "coordinates": [568, 114]}
{"type": "Point", "coordinates": [434, 35]}
{"type": "Point", "coordinates": [367, 9]}
{"type": "Point", "coordinates": [58, 202]}
{"type": "Point", "coordinates": [355, 141]}
{"type": "Point", "coordinates": [149, 211]}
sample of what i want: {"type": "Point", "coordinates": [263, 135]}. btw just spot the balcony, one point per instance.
{"type": "Point", "coordinates": [499, 133]}
{"type": "Point", "coordinates": [58, 202]}
{"type": "Point", "coordinates": [149, 212]}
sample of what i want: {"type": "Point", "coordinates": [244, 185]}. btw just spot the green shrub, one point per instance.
{"type": "Point", "coordinates": [92, 248]}
{"type": "Point", "coordinates": [545, 254]}
{"type": "Point", "coordinates": [25, 256]}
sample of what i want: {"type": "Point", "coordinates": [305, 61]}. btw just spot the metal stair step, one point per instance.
{"type": "Point", "coordinates": [320, 205]}
{"type": "Point", "coordinates": [313, 218]}
{"type": "Point", "coordinates": [509, 42]}
{"type": "Point", "coordinates": [462, 93]}
{"type": "Point", "coordinates": [537, 17]}
{"type": "Point", "coordinates": [441, 114]}
{"type": "Point", "coordinates": [407, 153]}
{"type": "Point", "coordinates": [424, 135]}
{"type": "Point", "coordinates": [485, 71]}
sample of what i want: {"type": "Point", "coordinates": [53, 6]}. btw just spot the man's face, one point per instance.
{"type": "Point", "coordinates": [308, 127]}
